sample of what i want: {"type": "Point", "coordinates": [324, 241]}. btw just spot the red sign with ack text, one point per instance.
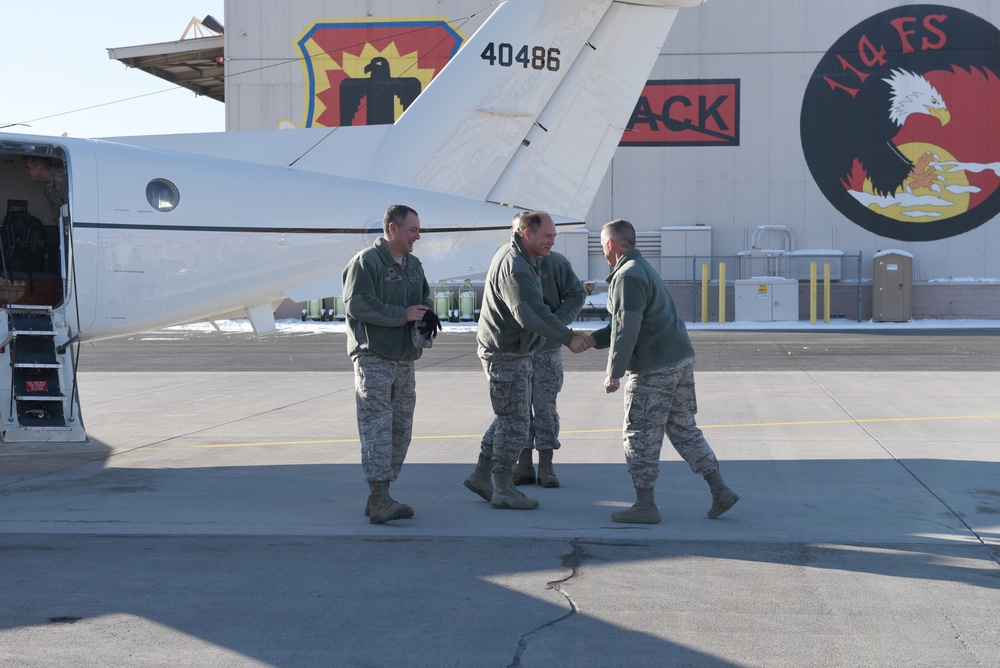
{"type": "Point", "coordinates": [698, 112]}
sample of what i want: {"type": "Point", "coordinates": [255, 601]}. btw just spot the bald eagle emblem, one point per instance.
{"type": "Point", "coordinates": [895, 123]}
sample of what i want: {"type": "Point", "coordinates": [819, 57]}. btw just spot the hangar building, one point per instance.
{"type": "Point", "coordinates": [771, 134]}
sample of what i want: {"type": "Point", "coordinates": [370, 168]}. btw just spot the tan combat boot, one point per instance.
{"type": "Point", "coordinates": [505, 495]}
{"type": "Point", "coordinates": [382, 507]}
{"type": "Point", "coordinates": [643, 511]}
{"type": "Point", "coordinates": [546, 476]}
{"type": "Point", "coordinates": [723, 498]}
{"type": "Point", "coordinates": [524, 470]}
{"type": "Point", "coordinates": [479, 481]}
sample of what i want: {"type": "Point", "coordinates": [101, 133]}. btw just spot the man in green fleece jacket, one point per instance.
{"type": "Point", "coordinates": [514, 321]}
{"type": "Point", "coordinates": [649, 346]}
{"type": "Point", "coordinates": [564, 294]}
{"type": "Point", "coordinates": [384, 292]}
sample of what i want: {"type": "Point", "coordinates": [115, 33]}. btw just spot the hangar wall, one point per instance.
{"type": "Point", "coordinates": [773, 48]}
{"type": "Point", "coordinates": [729, 110]}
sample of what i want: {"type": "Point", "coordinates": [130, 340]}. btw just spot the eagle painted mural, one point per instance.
{"type": "Point", "coordinates": [881, 110]}
{"type": "Point", "coordinates": [896, 123]}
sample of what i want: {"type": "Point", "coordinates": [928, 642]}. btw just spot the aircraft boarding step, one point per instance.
{"type": "Point", "coordinates": [39, 367]}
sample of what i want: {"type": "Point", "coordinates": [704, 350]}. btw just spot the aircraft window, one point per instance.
{"type": "Point", "coordinates": [162, 195]}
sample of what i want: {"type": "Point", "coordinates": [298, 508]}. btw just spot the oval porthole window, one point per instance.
{"type": "Point", "coordinates": [162, 195]}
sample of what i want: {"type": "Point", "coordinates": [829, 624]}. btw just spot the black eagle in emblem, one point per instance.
{"type": "Point", "coordinates": [379, 91]}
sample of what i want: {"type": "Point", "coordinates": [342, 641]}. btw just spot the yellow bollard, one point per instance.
{"type": "Point", "coordinates": [826, 292]}
{"type": "Point", "coordinates": [812, 293]}
{"type": "Point", "coordinates": [722, 293]}
{"type": "Point", "coordinates": [704, 293]}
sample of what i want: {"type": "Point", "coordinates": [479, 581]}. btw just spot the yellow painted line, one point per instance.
{"type": "Point", "coordinates": [264, 444]}
{"type": "Point", "coordinates": [849, 421]}
{"type": "Point", "coordinates": [584, 431]}
{"type": "Point", "coordinates": [801, 423]}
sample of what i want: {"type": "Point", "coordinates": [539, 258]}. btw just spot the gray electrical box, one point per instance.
{"type": "Point", "coordinates": [767, 299]}
{"type": "Point", "coordinates": [677, 245]}
{"type": "Point", "coordinates": [892, 285]}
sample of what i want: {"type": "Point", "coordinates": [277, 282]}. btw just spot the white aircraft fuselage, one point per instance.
{"type": "Point", "coordinates": [241, 234]}
{"type": "Point", "coordinates": [162, 230]}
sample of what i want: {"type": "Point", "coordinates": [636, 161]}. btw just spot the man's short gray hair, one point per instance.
{"type": "Point", "coordinates": [622, 232]}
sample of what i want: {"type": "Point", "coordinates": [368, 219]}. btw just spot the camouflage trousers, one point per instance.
{"type": "Point", "coordinates": [385, 394]}
{"type": "Point", "coordinates": [509, 376]}
{"type": "Point", "coordinates": [661, 402]}
{"type": "Point", "coordinates": [546, 383]}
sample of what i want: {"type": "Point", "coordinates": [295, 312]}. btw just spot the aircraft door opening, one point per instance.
{"type": "Point", "coordinates": [33, 198]}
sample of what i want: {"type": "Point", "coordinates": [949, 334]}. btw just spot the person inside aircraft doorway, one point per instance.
{"type": "Point", "coordinates": [44, 170]}
{"type": "Point", "coordinates": [386, 296]}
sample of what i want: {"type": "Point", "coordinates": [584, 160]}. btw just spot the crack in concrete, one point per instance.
{"type": "Point", "coordinates": [571, 561]}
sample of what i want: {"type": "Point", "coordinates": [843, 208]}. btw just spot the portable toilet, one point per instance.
{"type": "Point", "coordinates": [892, 285]}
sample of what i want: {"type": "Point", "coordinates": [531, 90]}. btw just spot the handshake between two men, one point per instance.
{"type": "Point", "coordinates": [583, 341]}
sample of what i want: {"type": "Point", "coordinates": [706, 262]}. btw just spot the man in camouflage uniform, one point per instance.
{"type": "Point", "coordinates": [385, 295]}
{"type": "Point", "coordinates": [513, 321]}
{"type": "Point", "coordinates": [650, 344]}
{"type": "Point", "coordinates": [564, 295]}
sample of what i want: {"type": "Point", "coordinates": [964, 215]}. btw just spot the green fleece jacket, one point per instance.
{"type": "Point", "coordinates": [562, 291]}
{"type": "Point", "coordinates": [514, 317]}
{"type": "Point", "coordinates": [377, 292]}
{"type": "Point", "coordinates": [644, 332]}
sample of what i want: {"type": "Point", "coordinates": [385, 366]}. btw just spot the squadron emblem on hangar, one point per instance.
{"type": "Point", "coordinates": [897, 123]}
{"type": "Point", "coordinates": [368, 72]}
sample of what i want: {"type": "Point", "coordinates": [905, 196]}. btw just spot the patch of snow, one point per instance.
{"type": "Point", "coordinates": [838, 324]}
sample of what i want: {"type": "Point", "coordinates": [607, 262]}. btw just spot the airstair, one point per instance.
{"type": "Point", "coordinates": [39, 402]}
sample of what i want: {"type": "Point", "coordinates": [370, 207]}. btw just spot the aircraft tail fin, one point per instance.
{"type": "Point", "coordinates": [530, 111]}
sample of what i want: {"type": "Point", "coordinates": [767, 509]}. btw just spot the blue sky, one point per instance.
{"type": "Point", "coordinates": [55, 64]}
